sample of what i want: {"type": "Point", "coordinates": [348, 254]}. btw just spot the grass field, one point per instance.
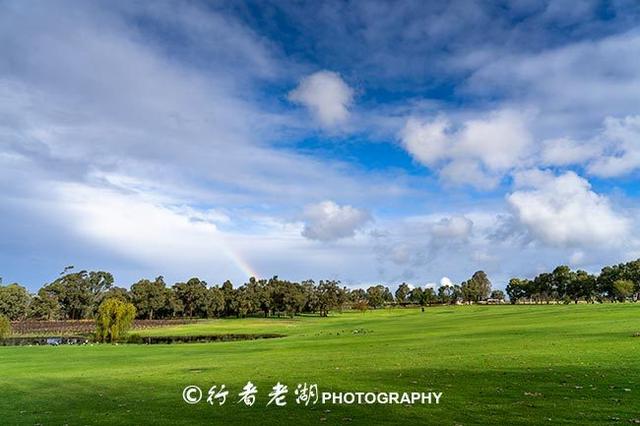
{"type": "Point", "coordinates": [569, 364]}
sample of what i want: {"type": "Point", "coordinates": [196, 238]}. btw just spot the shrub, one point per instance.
{"type": "Point", "coordinates": [5, 327]}
{"type": "Point", "coordinates": [135, 338]}
{"type": "Point", "coordinates": [115, 318]}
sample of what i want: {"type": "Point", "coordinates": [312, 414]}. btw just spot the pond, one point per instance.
{"type": "Point", "coordinates": [134, 339]}
{"type": "Point", "coordinates": [47, 340]}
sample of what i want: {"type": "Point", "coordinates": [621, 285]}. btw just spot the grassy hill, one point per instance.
{"type": "Point", "coordinates": [570, 364]}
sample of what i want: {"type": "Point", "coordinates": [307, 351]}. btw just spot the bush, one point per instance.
{"type": "Point", "coordinates": [115, 318]}
{"type": "Point", "coordinates": [135, 338]}
{"type": "Point", "coordinates": [5, 327]}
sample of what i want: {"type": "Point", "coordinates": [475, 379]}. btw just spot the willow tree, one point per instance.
{"type": "Point", "coordinates": [115, 318]}
{"type": "Point", "coordinates": [5, 327]}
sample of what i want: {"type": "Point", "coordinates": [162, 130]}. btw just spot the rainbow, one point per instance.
{"type": "Point", "coordinates": [239, 261]}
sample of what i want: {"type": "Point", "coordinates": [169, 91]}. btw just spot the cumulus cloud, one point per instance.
{"type": "Point", "coordinates": [445, 282]}
{"type": "Point", "coordinates": [477, 152]}
{"type": "Point", "coordinates": [328, 221]}
{"type": "Point", "coordinates": [564, 211]}
{"type": "Point", "coordinates": [326, 95]}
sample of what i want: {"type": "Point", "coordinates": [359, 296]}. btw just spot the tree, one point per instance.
{"type": "Point", "coordinates": [215, 302]}
{"type": "Point", "coordinates": [402, 293]}
{"type": "Point", "coordinates": [476, 288]}
{"type": "Point", "coordinates": [328, 296]}
{"type": "Point", "coordinates": [119, 292]}
{"type": "Point", "coordinates": [310, 296]}
{"type": "Point", "coordinates": [422, 297]}
{"type": "Point", "coordinates": [193, 295]}
{"type": "Point", "coordinates": [581, 286]}
{"type": "Point", "coordinates": [497, 295]}
{"type": "Point", "coordinates": [447, 294]}
{"type": "Point", "coordinates": [623, 289]}
{"type": "Point", "coordinates": [517, 289]}
{"type": "Point", "coordinates": [608, 276]}
{"type": "Point", "coordinates": [542, 287]}
{"type": "Point", "coordinates": [77, 293]}
{"type": "Point", "coordinates": [99, 282]}
{"type": "Point", "coordinates": [416, 296]}
{"type": "Point", "coordinates": [230, 305]}
{"type": "Point", "coordinates": [5, 327]}
{"type": "Point", "coordinates": [294, 298]}
{"type": "Point", "coordinates": [44, 306]}
{"type": "Point", "coordinates": [149, 296]}
{"type": "Point", "coordinates": [14, 301]}
{"type": "Point", "coordinates": [115, 318]}
{"type": "Point", "coordinates": [173, 305]}
{"type": "Point", "coordinates": [428, 296]}
{"type": "Point", "coordinates": [244, 301]}
{"type": "Point", "coordinates": [376, 296]}
{"type": "Point", "coordinates": [561, 279]}
{"type": "Point", "coordinates": [357, 294]}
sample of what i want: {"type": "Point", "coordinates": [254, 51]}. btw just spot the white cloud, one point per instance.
{"type": "Point", "coordinates": [613, 151]}
{"type": "Point", "coordinates": [427, 141]}
{"type": "Point", "coordinates": [326, 95]}
{"type": "Point", "coordinates": [445, 282]}
{"type": "Point", "coordinates": [327, 221]}
{"type": "Point", "coordinates": [564, 211]}
{"type": "Point", "coordinates": [572, 86]}
{"type": "Point", "coordinates": [468, 172]}
{"type": "Point", "coordinates": [621, 143]}
{"type": "Point", "coordinates": [565, 151]}
{"type": "Point", "coordinates": [478, 152]}
{"type": "Point", "coordinates": [455, 227]}
{"type": "Point", "coordinates": [122, 150]}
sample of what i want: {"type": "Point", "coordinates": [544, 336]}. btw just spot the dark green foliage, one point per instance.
{"type": "Point", "coordinates": [193, 295]}
{"type": "Point", "coordinates": [477, 288]}
{"type": "Point", "coordinates": [402, 293]}
{"type": "Point", "coordinates": [78, 294]}
{"type": "Point", "coordinates": [14, 301]}
{"type": "Point", "coordinates": [497, 295]}
{"type": "Point", "coordinates": [149, 297]}
{"type": "Point", "coordinates": [616, 283]}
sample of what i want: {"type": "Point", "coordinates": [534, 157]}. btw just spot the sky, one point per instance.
{"type": "Point", "coordinates": [366, 141]}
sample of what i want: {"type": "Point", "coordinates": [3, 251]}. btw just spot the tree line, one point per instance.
{"type": "Point", "coordinates": [79, 295]}
{"type": "Point", "coordinates": [616, 283]}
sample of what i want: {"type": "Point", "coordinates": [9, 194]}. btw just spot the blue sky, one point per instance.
{"type": "Point", "coordinates": [371, 142]}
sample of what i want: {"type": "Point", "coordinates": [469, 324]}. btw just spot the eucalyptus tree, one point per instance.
{"type": "Point", "coordinates": [14, 301]}
{"type": "Point", "coordinates": [148, 296]}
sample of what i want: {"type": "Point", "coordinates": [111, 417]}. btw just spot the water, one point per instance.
{"type": "Point", "coordinates": [134, 339]}
{"type": "Point", "coordinates": [43, 341]}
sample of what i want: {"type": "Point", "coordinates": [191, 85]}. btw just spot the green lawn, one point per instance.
{"type": "Point", "coordinates": [573, 364]}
